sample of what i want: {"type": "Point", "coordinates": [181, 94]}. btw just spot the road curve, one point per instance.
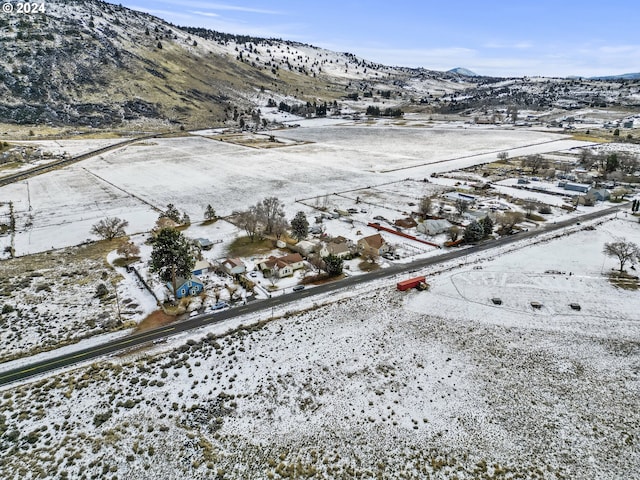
{"type": "Point", "coordinates": [279, 301]}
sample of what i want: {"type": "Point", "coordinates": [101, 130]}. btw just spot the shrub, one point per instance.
{"type": "Point", "coordinates": [100, 418]}
{"type": "Point", "coordinates": [544, 209]}
{"type": "Point", "coordinates": [101, 290]}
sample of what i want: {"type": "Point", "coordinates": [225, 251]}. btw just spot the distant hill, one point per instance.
{"type": "Point", "coordinates": [463, 71]}
{"type": "Point", "coordinates": [624, 76]}
{"type": "Point", "coordinates": [92, 63]}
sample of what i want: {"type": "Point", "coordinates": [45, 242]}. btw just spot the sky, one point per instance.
{"type": "Point", "coordinates": [489, 37]}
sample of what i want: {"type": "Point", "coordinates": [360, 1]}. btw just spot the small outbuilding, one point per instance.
{"type": "Point", "coordinates": [434, 227]}
{"type": "Point", "coordinates": [305, 247]}
{"type": "Point", "coordinates": [201, 266]}
{"type": "Point", "coordinates": [204, 243]}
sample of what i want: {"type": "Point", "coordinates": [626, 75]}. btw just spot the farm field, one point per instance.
{"type": "Point", "coordinates": [378, 383]}
{"type": "Point", "coordinates": [57, 209]}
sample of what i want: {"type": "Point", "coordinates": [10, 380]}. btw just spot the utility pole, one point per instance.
{"type": "Point", "coordinates": [118, 305]}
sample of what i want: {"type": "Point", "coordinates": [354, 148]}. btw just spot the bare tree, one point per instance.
{"type": "Point", "coordinates": [625, 251]}
{"type": "Point", "coordinates": [586, 158]}
{"type": "Point", "coordinates": [128, 250]}
{"type": "Point", "coordinates": [535, 163]}
{"type": "Point", "coordinates": [453, 233]}
{"type": "Point", "coordinates": [508, 220]}
{"type": "Point", "coordinates": [249, 222]}
{"type": "Point", "coordinates": [461, 206]}
{"type": "Point", "coordinates": [110, 228]}
{"type": "Point", "coordinates": [280, 226]}
{"type": "Point", "coordinates": [269, 210]}
{"type": "Point", "coordinates": [425, 206]}
{"type": "Point", "coordinates": [316, 261]}
{"type": "Point", "coordinates": [618, 193]}
{"type": "Point", "coordinates": [502, 156]}
{"type": "Point", "coordinates": [529, 206]}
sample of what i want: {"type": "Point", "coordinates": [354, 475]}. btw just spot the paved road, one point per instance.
{"type": "Point", "coordinates": [68, 161]}
{"type": "Point", "coordinates": [278, 302]}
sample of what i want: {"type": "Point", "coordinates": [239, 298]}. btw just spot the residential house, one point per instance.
{"type": "Point", "coordinates": [281, 266]}
{"type": "Point", "coordinates": [373, 245]}
{"type": "Point", "coordinates": [187, 287]}
{"type": "Point", "coordinates": [234, 266]}
{"type": "Point", "coordinates": [434, 227]}
{"type": "Point", "coordinates": [340, 250]}
{"type": "Point", "coordinates": [599, 194]}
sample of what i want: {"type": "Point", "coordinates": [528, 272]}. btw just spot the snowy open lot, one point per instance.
{"type": "Point", "coordinates": [57, 209]}
{"type": "Point", "coordinates": [381, 384]}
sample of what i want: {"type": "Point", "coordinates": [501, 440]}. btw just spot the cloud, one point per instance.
{"type": "Point", "coordinates": [217, 6]}
{"type": "Point", "coordinates": [499, 45]}
{"type": "Point", "coordinates": [204, 14]}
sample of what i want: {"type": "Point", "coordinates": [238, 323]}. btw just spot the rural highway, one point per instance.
{"type": "Point", "coordinates": [16, 177]}
{"type": "Point", "coordinates": [280, 301]}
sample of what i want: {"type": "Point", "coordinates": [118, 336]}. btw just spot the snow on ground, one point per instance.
{"type": "Point", "coordinates": [57, 209]}
{"type": "Point", "coordinates": [383, 383]}
{"type": "Point", "coordinates": [72, 147]}
{"type": "Point", "coordinates": [50, 300]}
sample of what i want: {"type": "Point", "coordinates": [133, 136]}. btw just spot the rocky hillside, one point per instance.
{"type": "Point", "coordinates": [86, 62]}
{"type": "Point", "coordinates": [91, 63]}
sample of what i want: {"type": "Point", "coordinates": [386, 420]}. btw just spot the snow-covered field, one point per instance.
{"type": "Point", "coordinates": [377, 384]}
{"type": "Point", "coordinates": [57, 209]}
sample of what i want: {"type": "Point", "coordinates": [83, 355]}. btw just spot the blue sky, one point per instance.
{"type": "Point", "coordinates": [490, 37]}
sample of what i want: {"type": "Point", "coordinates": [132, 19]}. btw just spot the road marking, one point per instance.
{"type": "Point", "coordinates": [84, 354]}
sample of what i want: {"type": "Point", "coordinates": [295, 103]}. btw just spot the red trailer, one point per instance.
{"type": "Point", "coordinates": [416, 282]}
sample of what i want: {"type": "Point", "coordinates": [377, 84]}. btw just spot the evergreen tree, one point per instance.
{"type": "Point", "coordinates": [172, 256]}
{"type": "Point", "coordinates": [172, 213]}
{"type": "Point", "coordinates": [209, 213]}
{"type": "Point", "coordinates": [333, 265]}
{"type": "Point", "coordinates": [186, 220]}
{"type": "Point", "coordinates": [300, 226]}
{"type": "Point", "coordinates": [473, 232]}
{"type": "Point", "coordinates": [487, 225]}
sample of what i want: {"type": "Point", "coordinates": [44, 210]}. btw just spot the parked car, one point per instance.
{"type": "Point", "coordinates": [219, 306]}
{"type": "Point", "coordinates": [297, 288]}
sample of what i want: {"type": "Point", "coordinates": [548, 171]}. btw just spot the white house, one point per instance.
{"type": "Point", "coordinates": [340, 250]}
{"type": "Point", "coordinates": [234, 266]}
{"type": "Point", "coordinates": [281, 266]}
{"type": "Point", "coordinates": [373, 245]}
{"type": "Point", "coordinates": [305, 247]}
